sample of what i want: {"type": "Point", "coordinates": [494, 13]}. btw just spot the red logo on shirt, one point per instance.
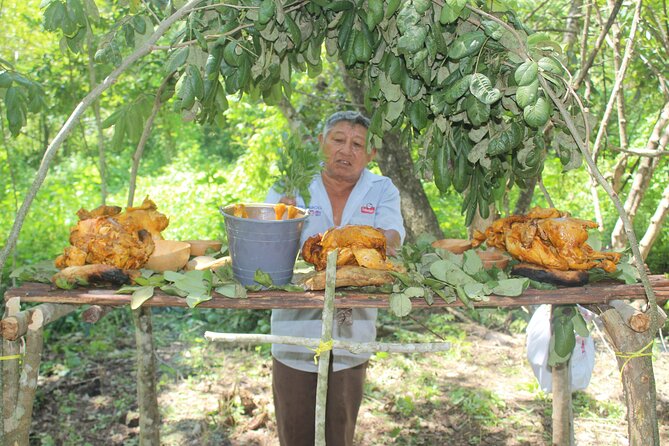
{"type": "Point", "coordinates": [367, 209]}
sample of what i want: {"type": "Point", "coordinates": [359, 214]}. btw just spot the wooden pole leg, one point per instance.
{"type": "Point", "coordinates": [147, 397]}
{"type": "Point", "coordinates": [563, 415]}
{"type": "Point", "coordinates": [17, 424]}
{"type": "Point", "coordinates": [634, 355]}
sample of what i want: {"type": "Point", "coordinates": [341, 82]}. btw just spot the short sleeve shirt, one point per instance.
{"type": "Point", "coordinates": [374, 201]}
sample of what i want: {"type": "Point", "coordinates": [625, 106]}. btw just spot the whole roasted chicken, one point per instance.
{"type": "Point", "coordinates": [548, 238]}
{"type": "Point", "coordinates": [358, 245]}
{"type": "Point", "coordinates": [108, 236]}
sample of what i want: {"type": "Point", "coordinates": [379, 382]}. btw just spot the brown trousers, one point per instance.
{"type": "Point", "coordinates": [295, 404]}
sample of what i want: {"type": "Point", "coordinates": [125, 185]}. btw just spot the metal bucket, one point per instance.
{"type": "Point", "coordinates": [262, 242]}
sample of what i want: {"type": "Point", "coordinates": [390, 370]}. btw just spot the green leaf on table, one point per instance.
{"type": "Point", "coordinates": [447, 294]}
{"type": "Point", "coordinates": [400, 304]}
{"type": "Point", "coordinates": [63, 284]}
{"type": "Point", "coordinates": [141, 295]}
{"type": "Point", "coordinates": [232, 290]}
{"type": "Point", "coordinates": [628, 273]}
{"type": "Point", "coordinates": [511, 287]}
{"type": "Point", "coordinates": [447, 271]}
{"type": "Point", "coordinates": [194, 299]}
{"type": "Point", "coordinates": [142, 281]}
{"type": "Point", "coordinates": [289, 287]}
{"type": "Point", "coordinates": [414, 291]}
{"type": "Point", "coordinates": [173, 291]}
{"type": "Point", "coordinates": [192, 282]}
{"type": "Point", "coordinates": [263, 278]}
{"type": "Point", "coordinates": [476, 291]}
{"type": "Point", "coordinates": [127, 289]}
{"type": "Point", "coordinates": [472, 263]}
{"type": "Point", "coordinates": [37, 272]}
{"type": "Point", "coordinates": [172, 276]}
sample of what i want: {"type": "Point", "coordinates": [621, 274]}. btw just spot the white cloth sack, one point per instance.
{"type": "Point", "coordinates": [538, 342]}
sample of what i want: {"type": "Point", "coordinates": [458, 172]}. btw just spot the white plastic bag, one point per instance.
{"type": "Point", "coordinates": [538, 340]}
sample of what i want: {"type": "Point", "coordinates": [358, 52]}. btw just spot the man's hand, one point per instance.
{"type": "Point", "coordinates": [288, 200]}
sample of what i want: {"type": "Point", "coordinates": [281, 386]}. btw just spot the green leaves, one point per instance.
{"type": "Point", "coordinates": [566, 322]}
{"type": "Point", "coordinates": [481, 87]}
{"type": "Point", "coordinates": [451, 10]}
{"type": "Point", "coordinates": [197, 285]}
{"type": "Point", "coordinates": [447, 275]}
{"type": "Point", "coordinates": [141, 295]}
{"type": "Point", "coordinates": [21, 96]}
{"type": "Point", "coordinates": [466, 45]}
{"type": "Point", "coordinates": [527, 94]}
{"type": "Point", "coordinates": [526, 73]}
{"type": "Point", "coordinates": [400, 304]}
{"type": "Point", "coordinates": [176, 60]}
{"type": "Point", "coordinates": [511, 287]}
{"type": "Point", "coordinates": [537, 114]}
{"type": "Point", "coordinates": [458, 89]}
{"type": "Point", "coordinates": [299, 161]}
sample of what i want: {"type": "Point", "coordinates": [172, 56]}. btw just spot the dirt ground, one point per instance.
{"type": "Point", "coordinates": [481, 392]}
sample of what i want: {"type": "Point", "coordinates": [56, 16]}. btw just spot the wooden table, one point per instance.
{"type": "Point", "coordinates": [61, 302]}
{"type": "Point", "coordinates": [598, 293]}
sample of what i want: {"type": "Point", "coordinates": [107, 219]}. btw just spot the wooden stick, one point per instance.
{"type": "Point", "coordinates": [147, 397]}
{"type": "Point", "coordinates": [17, 426]}
{"type": "Point", "coordinates": [353, 347]}
{"type": "Point", "coordinates": [634, 318]}
{"type": "Point", "coordinates": [563, 415]}
{"type": "Point", "coordinates": [16, 326]}
{"type": "Point", "coordinates": [590, 294]}
{"type": "Point", "coordinates": [324, 359]}
{"type": "Point", "coordinates": [10, 368]}
{"type": "Point", "coordinates": [94, 313]}
{"type": "Point", "coordinates": [10, 327]}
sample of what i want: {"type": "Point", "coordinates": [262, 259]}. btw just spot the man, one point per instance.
{"type": "Point", "coordinates": [345, 192]}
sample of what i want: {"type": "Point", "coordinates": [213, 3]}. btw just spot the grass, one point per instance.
{"type": "Point", "coordinates": [476, 393]}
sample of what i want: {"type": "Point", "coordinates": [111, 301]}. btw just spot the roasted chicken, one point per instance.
{"type": "Point", "coordinates": [358, 245]}
{"type": "Point", "coordinates": [107, 236]}
{"type": "Point", "coordinates": [548, 238]}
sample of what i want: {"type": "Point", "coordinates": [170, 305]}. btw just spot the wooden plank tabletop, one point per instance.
{"type": "Point", "coordinates": [602, 292]}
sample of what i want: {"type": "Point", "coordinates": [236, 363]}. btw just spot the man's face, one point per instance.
{"type": "Point", "coordinates": [344, 150]}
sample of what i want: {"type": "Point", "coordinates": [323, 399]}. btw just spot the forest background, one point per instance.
{"type": "Point", "coordinates": [190, 169]}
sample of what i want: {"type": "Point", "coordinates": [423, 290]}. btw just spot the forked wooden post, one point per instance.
{"type": "Point", "coordinates": [634, 355]}
{"type": "Point", "coordinates": [324, 358]}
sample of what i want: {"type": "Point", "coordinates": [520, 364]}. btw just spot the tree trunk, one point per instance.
{"type": "Point", "coordinates": [655, 226]}
{"type": "Point", "coordinates": [147, 397]}
{"type": "Point", "coordinates": [586, 64]}
{"type": "Point", "coordinates": [64, 132]}
{"type": "Point", "coordinates": [636, 364]}
{"type": "Point", "coordinates": [92, 79]}
{"type": "Point", "coordinates": [395, 162]}
{"type": "Point", "coordinates": [572, 27]}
